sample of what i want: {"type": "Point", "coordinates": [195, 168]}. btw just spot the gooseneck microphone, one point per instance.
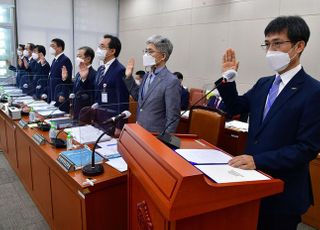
{"type": "Point", "coordinates": [94, 169]}
{"type": "Point", "coordinates": [124, 115]}
{"type": "Point", "coordinates": [173, 141]}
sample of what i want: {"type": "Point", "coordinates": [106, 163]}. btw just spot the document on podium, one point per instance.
{"type": "Point", "coordinates": [214, 164]}
{"type": "Point", "coordinates": [204, 156]}
{"type": "Point", "coordinates": [226, 173]}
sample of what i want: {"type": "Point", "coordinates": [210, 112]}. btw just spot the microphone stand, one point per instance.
{"type": "Point", "coordinates": [94, 169]}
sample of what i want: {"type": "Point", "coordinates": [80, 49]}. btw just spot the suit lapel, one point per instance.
{"type": "Point", "coordinates": [153, 85]}
{"type": "Point", "coordinates": [288, 92]}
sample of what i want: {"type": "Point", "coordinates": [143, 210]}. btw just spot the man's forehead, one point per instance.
{"type": "Point", "coordinates": [276, 36]}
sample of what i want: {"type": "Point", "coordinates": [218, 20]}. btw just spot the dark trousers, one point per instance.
{"type": "Point", "coordinates": [273, 221]}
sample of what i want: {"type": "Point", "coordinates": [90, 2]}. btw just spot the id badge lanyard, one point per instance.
{"type": "Point", "coordinates": [104, 94]}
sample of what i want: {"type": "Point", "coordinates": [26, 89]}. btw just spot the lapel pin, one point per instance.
{"type": "Point", "coordinates": [294, 88]}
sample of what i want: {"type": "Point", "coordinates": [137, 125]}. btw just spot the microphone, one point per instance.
{"type": "Point", "coordinates": [124, 115]}
{"type": "Point", "coordinates": [71, 99]}
{"type": "Point", "coordinates": [97, 169]}
{"type": "Point", "coordinates": [173, 141]}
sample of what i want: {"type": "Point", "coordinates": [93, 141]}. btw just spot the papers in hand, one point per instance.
{"type": "Point", "coordinates": [237, 125]}
{"type": "Point", "coordinates": [204, 156]}
{"type": "Point", "coordinates": [86, 134]}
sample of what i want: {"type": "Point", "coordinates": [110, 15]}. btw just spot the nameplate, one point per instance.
{"type": "Point", "coordinates": [23, 124]}
{"type": "Point", "coordinates": [39, 139]}
{"type": "Point", "coordinates": [66, 163]}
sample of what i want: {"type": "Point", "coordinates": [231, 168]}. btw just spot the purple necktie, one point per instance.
{"type": "Point", "coordinates": [273, 93]}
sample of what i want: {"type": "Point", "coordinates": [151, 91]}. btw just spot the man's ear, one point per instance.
{"type": "Point", "coordinates": [300, 45]}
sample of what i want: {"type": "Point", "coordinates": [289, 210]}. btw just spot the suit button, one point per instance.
{"type": "Point", "coordinates": [141, 110]}
{"type": "Point", "coordinates": [256, 142]}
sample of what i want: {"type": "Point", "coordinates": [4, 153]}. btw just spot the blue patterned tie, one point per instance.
{"type": "Point", "coordinates": [273, 93]}
{"type": "Point", "coordinates": [147, 83]}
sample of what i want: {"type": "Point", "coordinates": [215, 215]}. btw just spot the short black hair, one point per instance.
{"type": "Point", "coordinates": [114, 44]}
{"type": "Point", "coordinates": [296, 28]}
{"type": "Point", "coordinates": [179, 75]}
{"type": "Point", "coordinates": [31, 45]}
{"type": "Point", "coordinates": [21, 45]}
{"type": "Point", "coordinates": [59, 42]}
{"type": "Point", "coordinates": [141, 73]}
{"type": "Point", "coordinates": [41, 49]}
{"type": "Point", "coordinates": [88, 52]}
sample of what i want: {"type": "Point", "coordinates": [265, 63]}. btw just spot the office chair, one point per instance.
{"type": "Point", "coordinates": [207, 123]}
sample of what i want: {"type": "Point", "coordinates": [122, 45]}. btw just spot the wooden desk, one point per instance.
{"type": "Point", "coordinates": [312, 217]}
{"type": "Point", "coordinates": [61, 197]}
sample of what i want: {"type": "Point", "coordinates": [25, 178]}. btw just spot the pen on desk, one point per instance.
{"type": "Point", "coordinates": [218, 163]}
{"type": "Point", "coordinates": [112, 144]}
{"type": "Point", "coordinates": [199, 142]}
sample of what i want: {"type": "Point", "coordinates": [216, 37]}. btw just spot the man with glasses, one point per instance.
{"type": "Point", "coordinates": [158, 95]}
{"type": "Point", "coordinates": [284, 123]}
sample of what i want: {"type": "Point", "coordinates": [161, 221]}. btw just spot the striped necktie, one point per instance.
{"type": "Point", "coordinates": [273, 93]}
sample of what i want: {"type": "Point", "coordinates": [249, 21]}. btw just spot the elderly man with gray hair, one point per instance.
{"type": "Point", "coordinates": [158, 95]}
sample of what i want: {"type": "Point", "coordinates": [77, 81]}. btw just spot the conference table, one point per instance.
{"type": "Point", "coordinates": [64, 198]}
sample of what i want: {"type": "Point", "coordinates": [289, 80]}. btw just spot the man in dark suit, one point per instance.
{"type": "Point", "coordinates": [41, 72]}
{"type": "Point", "coordinates": [20, 69]}
{"type": "Point", "coordinates": [159, 94]}
{"type": "Point", "coordinates": [111, 93]}
{"type": "Point", "coordinates": [85, 79]}
{"type": "Point", "coordinates": [184, 92]}
{"type": "Point", "coordinates": [30, 66]}
{"type": "Point", "coordinates": [59, 87]}
{"type": "Point", "coordinates": [284, 122]}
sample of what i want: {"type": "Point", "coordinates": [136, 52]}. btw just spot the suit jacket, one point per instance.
{"type": "Point", "coordinates": [160, 107]}
{"type": "Point", "coordinates": [27, 78]}
{"type": "Point", "coordinates": [184, 98]}
{"type": "Point", "coordinates": [118, 95]}
{"type": "Point", "coordinates": [55, 79]}
{"type": "Point", "coordinates": [284, 143]}
{"type": "Point", "coordinates": [84, 91]}
{"type": "Point", "coordinates": [40, 77]}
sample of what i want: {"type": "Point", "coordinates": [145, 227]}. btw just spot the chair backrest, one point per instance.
{"type": "Point", "coordinates": [195, 95]}
{"type": "Point", "coordinates": [207, 123]}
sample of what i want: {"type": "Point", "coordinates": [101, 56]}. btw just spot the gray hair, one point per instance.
{"type": "Point", "coordinates": [163, 44]}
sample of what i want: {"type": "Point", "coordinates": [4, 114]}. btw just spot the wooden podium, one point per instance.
{"type": "Point", "coordinates": [166, 192]}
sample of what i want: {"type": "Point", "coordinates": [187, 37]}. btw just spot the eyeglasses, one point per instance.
{"type": "Point", "coordinates": [150, 52]}
{"type": "Point", "coordinates": [274, 45]}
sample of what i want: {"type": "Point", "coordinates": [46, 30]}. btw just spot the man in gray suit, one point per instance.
{"type": "Point", "coordinates": [158, 95]}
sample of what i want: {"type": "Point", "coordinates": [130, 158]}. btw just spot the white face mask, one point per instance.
{"type": "Point", "coordinates": [148, 60]}
{"type": "Point", "coordinates": [101, 53]}
{"type": "Point", "coordinates": [78, 61]}
{"type": "Point", "coordinates": [35, 56]}
{"type": "Point", "coordinates": [52, 51]}
{"type": "Point", "coordinates": [25, 53]}
{"type": "Point", "coordinates": [138, 82]}
{"type": "Point", "coordinates": [19, 53]}
{"type": "Point", "coordinates": [278, 60]}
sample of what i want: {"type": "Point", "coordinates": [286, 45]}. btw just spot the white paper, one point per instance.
{"type": "Point", "coordinates": [239, 125]}
{"type": "Point", "coordinates": [108, 143]}
{"type": "Point", "coordinates": [55, 112]}
{"type": "Point", "coordinates": [226, 173]}
{"type": "Point", "coordinates": [202, 156]}
{"type": "Point", "coordinates": [86, 134]}
{"type": "Point", "coordinates": [185, 114]}
{"type": "Point", "coordinates": [118, 163]}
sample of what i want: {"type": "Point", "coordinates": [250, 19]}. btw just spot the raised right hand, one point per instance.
{"type": "Point", "coordinates": [229, 61]}
{"type": "Point", "coordinates": [130, 67]}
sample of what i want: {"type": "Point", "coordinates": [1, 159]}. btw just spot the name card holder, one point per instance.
{"type": "Point", "coordinates": [66, 163]}
{"type": "Point", "coordinates": [39, 139]}
{"type": "Point", "coordinates": [23, 124]}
